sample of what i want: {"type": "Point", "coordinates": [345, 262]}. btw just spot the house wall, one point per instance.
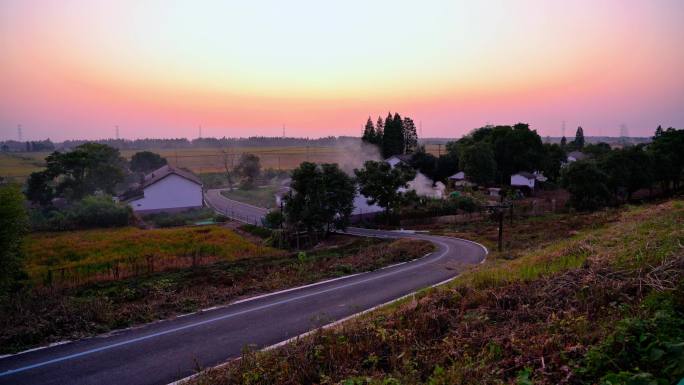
{"type": "Point", "coordinates": [519, 180]}
{"type": "Point", "coordinates": [172, 192]}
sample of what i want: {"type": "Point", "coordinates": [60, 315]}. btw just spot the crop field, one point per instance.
{"type": "Point", "coordinates": [65, 259]}
{"type": "Point", "coordinates": [201, 160]}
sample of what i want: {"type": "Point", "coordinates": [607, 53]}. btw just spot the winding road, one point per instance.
{"type": "Point", "coordinates": [165, 351]}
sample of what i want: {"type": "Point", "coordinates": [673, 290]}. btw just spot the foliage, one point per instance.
{"type": "Point", "coordinates": [667, 150]}
{"type": "Point", "coordinates": [248, 168]}
{"type": "Point", "coordinates": [77, 257]}
{"type": "Point", "coordinates": [263, 196]}
{"type": "Point", "coordinates": [554, 157]}
{"type": "Point", "coordinates": [381, 183]}
{"type": "Point", "coordinates": [645, 349]}
{"type": "Point", "coordinates": [410, 136]}
{"type": "Point", "coordinates": [628, 170]}
{"type": "Point", "coordinates": [393, 137]}
{"type": "Point", "coordinates": [587, 185]}
{"type": "Point", "coordinates": [82, 171]}
{"type": "Point", "coordinates": [274, 219]}
{"type": "Point", "coordinates": [13, 227]}
{"type": "Point", "coordinates": [578, 143]}
{"type": "Point", "coordinates": [146, 162]}
{"type": "Point", "coordinates": [90, 212]}
{"type": "Point", "coordinates": [258, 231]}
{"type": "Point", "coordinates": [477, 161]}
{"type": "Point", "coordinates": [322, 198]}
{"type": "Point", "coordinates": [183, 218]}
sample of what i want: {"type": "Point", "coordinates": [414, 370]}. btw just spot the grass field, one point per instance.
{"type": "Point", "coordinates": [77, 257]}
{"type": "Point", "coordinates": [199, 160]}
{"type": "Point", "coordinates": [260, 197]}
{"type": "Point", "coordinates": [601, 305]}
{"type": "Point", "coordinates": [39, 315]}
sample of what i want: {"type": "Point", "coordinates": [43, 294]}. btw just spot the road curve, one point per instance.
{"type": "Point", "coordinates": [162, 352]}
{"type": "Point", "coordinates": [240, 211]}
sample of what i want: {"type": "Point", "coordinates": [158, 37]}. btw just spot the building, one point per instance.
{"type": "Point", "coordinates": [459, 180]}
{"type": "Point", "coordinates": [523, 179]}
{"type": "Point", "coordinates": [574, 156]}
{"type": "Point", "coordinates": [167, 189]}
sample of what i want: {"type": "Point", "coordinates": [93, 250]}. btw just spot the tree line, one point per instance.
{"type": "Point", "coordinates": [394, 135]}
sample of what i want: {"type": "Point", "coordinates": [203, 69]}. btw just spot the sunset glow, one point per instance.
{"type": "Point", "coordinates": [75, 69]}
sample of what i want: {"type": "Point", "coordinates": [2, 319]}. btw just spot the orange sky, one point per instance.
{"type": "Point", "coordinates": [76, 69]}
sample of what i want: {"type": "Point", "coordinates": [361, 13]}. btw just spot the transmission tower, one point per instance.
{"type": "Point", "coordinates": [117, 132]}
{"type": "Point", "coordinates": [624, 133]}
{"type": "Point", "coordinates": [563, 129]}
{"type": "Point", "coordinates": [19, 133]}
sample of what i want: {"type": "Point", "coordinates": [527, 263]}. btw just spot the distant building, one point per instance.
{"type": "Point", "coordinates": [459, 180]}
{"type": "Point", "coordinates": [574, 156]}
{"type": "Point", "coordinates": [167, 189]}
{"type": "Point", "coordinates": [523, 179]}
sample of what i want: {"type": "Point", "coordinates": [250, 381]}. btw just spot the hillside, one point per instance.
{"type": "Point", "coordinates": [604, 305]}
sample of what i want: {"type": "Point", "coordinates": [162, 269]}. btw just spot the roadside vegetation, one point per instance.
{"type": "Point", "coordinates": [91, 299]}
{"type": "Point", "coordinates": [600, 303]}
{"type": "Point", "coordinates": [262, 196]}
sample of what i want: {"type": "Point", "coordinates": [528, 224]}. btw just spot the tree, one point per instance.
{"type": "Point", "coordinates": [424, 162]}
{"type": "Point", "coordinates": [248, 168]}
{"type": "Point", "coordinates": [379, 131]}
{"type": "Point", "coordinates": [86, 169]}
{"type": "Point", "coordinates": [393, 137]}
{"type": "Point", "coordinates": [627, 170]}
{"type": "Point", "coordinates": [369, 135]}
{"type": "Point", "coordinates": [13, 227]}
{"type": "Point", "coordinates": [410, 136]}
{"type": "Point", "coordinates": [587, 185]}
{"type": "Point", "coordinates": [578, 143]}
{"type": "Point", "coordinates": [322, 198]}
{"type": "Point", "coordinates": [477, 161]}
{"type": "Point", "coordinates": [146, 161]}
{"type": "Point", "coordinates": [563, 142]}
{"type": "Point", "coordinates": [554, 157]}
{"type": "Point", "coordinates": [667, 150]}
{"type": "Point", "coordinates": [381, 183]}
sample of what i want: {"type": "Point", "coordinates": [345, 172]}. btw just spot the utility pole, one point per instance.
{"type": "Point", "coordinates": [439, 149]}
{"type": "Point", "coordinates": [283, 130]}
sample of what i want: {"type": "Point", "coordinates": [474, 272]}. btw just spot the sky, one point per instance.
{"type": "Point", "coordinates": [77, 69]}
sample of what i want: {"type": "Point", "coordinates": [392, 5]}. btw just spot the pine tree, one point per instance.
{"type": "Point", "coordinates": [579, 138]}
{"type": "Point", "coordinates": [379, 131]}
{"type": "Point", "coordinates": [410, 136]}
{"type": "Point", "coordinates": [563, 142]}
{"type": "Point", "coordinates": [659, 131]}
{"type": "Point", "coordinates": [369, 132]}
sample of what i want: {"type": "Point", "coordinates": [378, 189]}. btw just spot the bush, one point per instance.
{"type": "Point", "coordinates": [183, 218]}
{"type": "Point", "coordinates": [90, 212]}
{"type": "Point", "coordinates": [260, 232]}
{"type": "Point", "coordinates": [273, 220]}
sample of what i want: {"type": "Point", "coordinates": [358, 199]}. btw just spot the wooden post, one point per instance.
{"type": "Point", "coordinates": [501, 215]}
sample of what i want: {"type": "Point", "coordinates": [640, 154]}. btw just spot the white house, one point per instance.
{"type": "Point", "coordinates": [167, 189]}
{"type": "Point", "coordinates": [523, 179]}
{"type": "Point", "coordinates": [460, 180]}
{"type": "Point", "coordinates": [574, 156]}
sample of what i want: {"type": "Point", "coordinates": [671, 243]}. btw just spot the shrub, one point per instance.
{"type": "Point", "coordinates": [90, 212]}
{"type": "Point", "coordinates": [273, 220]}
{"type": "Point", "coordinates": [183, 218]}
{"type": "Point", "coordinates": [260, 232]}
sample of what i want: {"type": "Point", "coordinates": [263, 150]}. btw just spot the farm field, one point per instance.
{"type": "Point", "coordinates": [556, 313]}
{"type": "Point", "coordinates": [202, 160]}
{"type": "Point", "coordinates": [67, 259]}
{"type": "Point", "coordinates": [41, 314]}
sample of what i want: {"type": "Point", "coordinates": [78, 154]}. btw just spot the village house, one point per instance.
{"type": "Point", "coordinates": [167, 189]}
{"type": "Point", "coordinates": [459, 181]}
{"type": "Point", "coordinates": [574, 156]}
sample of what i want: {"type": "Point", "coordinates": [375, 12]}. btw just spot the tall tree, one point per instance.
{"type": "Point", "coordinates": [563, 142]}
{"type": "Point", "coordinates": [369, 135]}
{"type": "Point", "coordinates": [146, 161]}
{"type": "Point", "coordinates": [82, 171]}
{"type": "Point", "coordinates": [578, 143]}
{"type": "Point", "coordinates": [322, 198]}
{"type": "Point", "coordinates": [393, 138]}
{"type": "Point", "coordinates": [379, 131]}
{"type": "Point", "coordinates": [248, 168]}
{"type": "Point", "coordinates": [13, 227]}
{"type": "Point", "coordinates": [410, 136]}
{"type": "Point", "coordinates": [587, 185]}
{"type": "Point", "coordinates": [382, 184]}
{"type": "Point", "coordinates": [554, 157]}
{"type": "Point", "coordinates": [627, 170]}
{"type": "Point", "coordinates": [478, 163]}
{"type": "Point", "coordinates": [667, 150]}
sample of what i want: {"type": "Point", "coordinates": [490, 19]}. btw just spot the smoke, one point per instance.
{"type": "Point", "coordinates": [423, 186]}
{"type": "Point", "coordinates": [352, 154]}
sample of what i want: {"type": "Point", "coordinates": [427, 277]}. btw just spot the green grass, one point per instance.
{"type": "Point", "coordinates": [18, 167]}
{"type": "Point", "coordinates": [260, 196]}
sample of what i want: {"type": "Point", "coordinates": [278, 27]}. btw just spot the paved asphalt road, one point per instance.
{"type": "Point", "coordinates": [162, 352]}
{"type": "Point", "coordinates": [233, 209]}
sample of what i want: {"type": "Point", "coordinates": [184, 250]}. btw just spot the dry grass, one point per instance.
{"type": "Point", "coordinates": [77, 257]}
{"type": "Point", "coordinates": [529, 320]}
